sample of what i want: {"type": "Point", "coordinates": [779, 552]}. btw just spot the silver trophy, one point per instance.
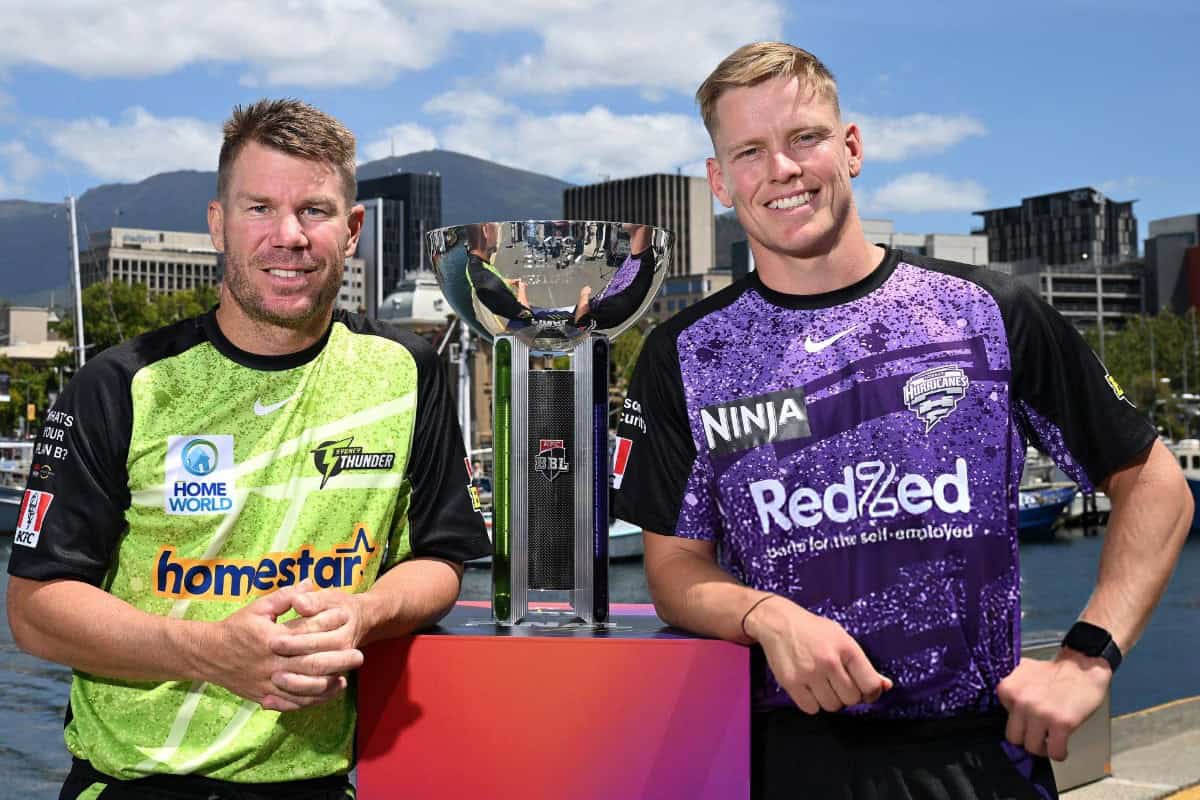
{"type": "Point", "coordinates": [549, 296]}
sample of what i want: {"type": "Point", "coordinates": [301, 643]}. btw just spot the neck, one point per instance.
{"type": "Point", "coordinates": [264, 338]}
{"type": "Point", "coordinates": [851, 259]}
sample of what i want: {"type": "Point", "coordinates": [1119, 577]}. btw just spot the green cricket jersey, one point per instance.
{"type": "Point", "coordinates": [188, 477]}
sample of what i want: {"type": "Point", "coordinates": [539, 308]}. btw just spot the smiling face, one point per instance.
{"type": "Point", "coordinates": [285, 229]}
{"type": "Point", "coordinates": [784, 161]}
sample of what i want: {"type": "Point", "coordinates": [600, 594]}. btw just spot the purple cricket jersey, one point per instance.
{"type": "Point", "coordinates": [860, 452]}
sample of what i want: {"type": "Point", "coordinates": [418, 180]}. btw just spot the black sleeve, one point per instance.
{"type": "Point", "coordinates": [655, 453]}
{"type": "Point", "coordinates": [73, 514]}
{"type": "Point", "coordinates": [443, 517]}
{"type": "Point", "coordinates": [1066, 402]}
{"type": "Point", "coordinates": [493, 292]}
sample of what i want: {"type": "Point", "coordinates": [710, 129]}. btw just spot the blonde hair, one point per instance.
{"type": "Point", "coordinates": [292, 127]}
{"type": "Point", "coordinates": [754, 63]}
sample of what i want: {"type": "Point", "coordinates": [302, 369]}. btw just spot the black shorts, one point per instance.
{"type": "Point", "coordinates": [795, 756]}
{"type": "Point", "coordinates": [84, 782]}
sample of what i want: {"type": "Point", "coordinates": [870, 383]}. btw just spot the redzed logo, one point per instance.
{"type": "Point", "coordinates": [621, 460]}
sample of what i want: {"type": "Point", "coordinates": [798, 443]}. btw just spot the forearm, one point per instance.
{"type": "Point", "coordinates": [691, 592]}
{"type": "Point", "coordinates": [87, 629]}
{"type": "Point", "coordinates": [1151, 513]}
{"type": "Point", "coordinates": [408, 597]}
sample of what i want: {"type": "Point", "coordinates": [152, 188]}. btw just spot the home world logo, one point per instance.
{"type": "Point", "coordinates": [199, 474]}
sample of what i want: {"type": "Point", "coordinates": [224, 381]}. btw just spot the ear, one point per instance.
{"type": "Point", "coordinates": [216, 224]}
{"type": "Point", "coordinates": [854, 149]}
{"type": "Point", "coordinates": [716, 182]}
{"type": "Point", "coordinates": [355, 222]}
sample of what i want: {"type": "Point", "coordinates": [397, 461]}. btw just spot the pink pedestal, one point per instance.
{"type": "Point", "coordinates": [474, 710]}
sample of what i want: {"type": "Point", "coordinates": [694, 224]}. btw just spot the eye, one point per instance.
{"type": "Point", "coordinates": [805, 139]}
{"type": "Point", "coordinates": [258, 209]}
{"type": "Point", "coordinates": [745, 153]}
{"type": "Point", "coordinates": [315, 212]}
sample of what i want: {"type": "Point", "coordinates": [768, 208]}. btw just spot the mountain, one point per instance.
{"type": "Point", "coordinates": [35, 254]}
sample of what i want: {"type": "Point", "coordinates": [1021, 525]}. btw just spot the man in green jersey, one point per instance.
{"type": "Point", "coordinates": [227, 509]}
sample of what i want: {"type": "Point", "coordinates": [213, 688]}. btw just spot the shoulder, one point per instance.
{"type": "Point", "coordinates": [1008, 292]}
{"type": "Point", "coordinates": [667, 333]}
{"type": "Point", "coordinates": [119, 363]}
{"type": "Point", "coordinates": [418, 347]}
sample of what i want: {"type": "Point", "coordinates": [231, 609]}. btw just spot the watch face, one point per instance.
{"type": "Point", "coordinates": [1087, 639]}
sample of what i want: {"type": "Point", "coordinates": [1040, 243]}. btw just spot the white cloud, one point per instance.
{"type": "Point", "coordinates": [137, 146]}
{"type": "Point", "coordinates": [305, 42]}
{"type": "Point", "coordinates": [584, 146]}
{"type": "Point", "coordinates": [901, 138]}
{"type": "Point", "coordinates": [657, 44]}
{"type": "Point", "coordinates": [919, 192]}
{"type": "Point", "coordinates": [469, 104]}
{"type": "Point", "coordinates": [398, 140]}
{"type": "Point", "coordinates": [1125, 185]}
{"type": "Point", "coordinates": [23, 166]}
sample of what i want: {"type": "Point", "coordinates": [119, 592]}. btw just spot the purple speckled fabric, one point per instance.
{"type": "Point", "coordinates": [895, 521]}
{"type": "Point", "coordinates": [622, 278]}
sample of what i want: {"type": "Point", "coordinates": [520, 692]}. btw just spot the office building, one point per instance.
{"type": "Point", "coordinates": [165, 261]}
{"type": "Point", "coordinates": [1086, 293]}
{"type": "Point", "coordinates": [1173, 264]}
{"type": "Point", "coordinates": [1062, 228]}
{"type": "Point", "coordinates": [964, 248]}
{"type": "Point", "coordinates": [405, 206]}
{"type": "Point", "coordinates": [681, 204]}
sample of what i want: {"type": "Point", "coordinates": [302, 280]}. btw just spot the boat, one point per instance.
{"type": "Point", "coordinates": [1040, 510]}
{"type": "Point", "coordinates": [1044, 494]}
{"type": "Point", "coordinates": [624, 541]}
{"type": "Point", "coordinates": [1187, 451]}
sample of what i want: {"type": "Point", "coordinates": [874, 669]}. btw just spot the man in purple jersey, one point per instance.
{"type": "Point", "coordinates": [842, 491]}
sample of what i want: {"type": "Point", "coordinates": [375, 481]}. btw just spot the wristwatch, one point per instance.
{"type": "Point", "coordinates": [1092, 640]}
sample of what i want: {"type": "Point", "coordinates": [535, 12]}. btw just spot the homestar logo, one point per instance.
{"type": "Point", "coordinates": [332, 458]}
{"type": "Point", "coordinates": [342, 567]}
{"type": "Point", "coordinates": [865, 491]}
{"type": "Point", "coordinates": [755, 421]}
{"type": "Point", "coordinates": [199, 475]}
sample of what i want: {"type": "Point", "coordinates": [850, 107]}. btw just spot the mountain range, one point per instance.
{"type": "Point", "coordinates": [35, 255]}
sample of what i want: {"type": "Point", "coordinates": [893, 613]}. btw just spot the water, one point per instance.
{"type": "Point", "coordinates": [1057, 579]}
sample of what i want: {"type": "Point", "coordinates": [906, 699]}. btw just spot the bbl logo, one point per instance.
{"type": "Point", "coordinates": [551, 459]}
{"type": "Point", "coordinates": [934, 393]}
{"type": "Point", "coordinates": [332, 458]}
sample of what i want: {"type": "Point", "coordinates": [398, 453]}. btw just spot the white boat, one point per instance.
{"type": "Point", "coordinates": [1187, 451]}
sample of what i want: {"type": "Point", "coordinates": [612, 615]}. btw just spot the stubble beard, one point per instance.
{"type": "Point", "coordinates": [250, 299]}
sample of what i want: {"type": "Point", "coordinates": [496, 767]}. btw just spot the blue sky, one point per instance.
{"type": "Point", "coordinates": [963, 105]}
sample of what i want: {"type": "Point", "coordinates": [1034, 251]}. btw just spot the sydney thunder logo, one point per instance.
{"type": "Point", "coordinates": [333, 458]}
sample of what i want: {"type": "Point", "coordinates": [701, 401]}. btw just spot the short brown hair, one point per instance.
{"type": "Point", "coordinates": [754, 63]}
{"type": "Point", "coordinates": [292, 127]}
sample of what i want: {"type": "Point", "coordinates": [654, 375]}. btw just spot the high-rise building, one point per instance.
{"type": "Point", "coordinates": [1172, 280]}
{"type": "Point", "coordinates": [678, 203]}
{"type": "Point", "coordinates": [411, 205]}
{"type": "Point", "coordinates": [964, 248]}
{"type": "Point", "coordinates": [1062, 228]}
{"type": "Point", "coordinates": [1090, 295]}
{"type": "Point", "coordinates": [165, 261]}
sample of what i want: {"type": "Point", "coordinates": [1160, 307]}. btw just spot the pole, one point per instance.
{"type": "Point", "coordinates": [80, 356]}
{"type": "Point", "coordinates": [464, 384]}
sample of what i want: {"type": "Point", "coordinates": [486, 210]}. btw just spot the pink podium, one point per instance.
{"type": "Point", "coordinates": [475, 710]}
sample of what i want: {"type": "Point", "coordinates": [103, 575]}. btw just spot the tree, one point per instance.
{"type": "Point", "coordinates": [114, 312]}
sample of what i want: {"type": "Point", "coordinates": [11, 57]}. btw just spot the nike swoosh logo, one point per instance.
{"type": "Point", "coordinates": [815, 347]}
{"type": "Point", "coordinates": [262, 410]}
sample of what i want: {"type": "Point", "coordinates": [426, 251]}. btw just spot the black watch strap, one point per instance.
{"type": "Point", "coordinates": [1094, 641]}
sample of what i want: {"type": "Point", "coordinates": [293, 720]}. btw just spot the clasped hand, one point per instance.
{"type": "Point", "coordinates": [295, 664]}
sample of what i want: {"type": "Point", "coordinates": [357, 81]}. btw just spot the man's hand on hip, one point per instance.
{"type": "Point", "coordinates": [816, 662]}
{"type": "Point", "coordinates": [1048, 700]}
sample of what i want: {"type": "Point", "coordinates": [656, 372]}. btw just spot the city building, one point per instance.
{"type": "Point", "coordinates": [1062, 228]}
{"type": "Point", "coordinates": [353, 294]}
{"type": "Point", "coordinates": [680, 291]}
{"type": "Point", "coordinates": [25, 334]}
{"type": "Point", "coordinates": [165, 261]}
{"type": "Point", "coordinates": [1086, 293]}
{"type": "Point", "coordinates": [681, 204]}
{"type": "Point", "coordinates": [1173, 264]}
{"type": "Point", "coordinates": [400, 209]}
{"type": "Point", "coordinates": [964, 248]}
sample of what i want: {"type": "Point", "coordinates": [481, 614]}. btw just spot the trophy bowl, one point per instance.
{"type": "Point", "coordinates": [549, 283]}
{"type": "Point", "coordinates": [549, 296]}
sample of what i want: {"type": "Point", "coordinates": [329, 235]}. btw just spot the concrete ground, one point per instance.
{"type": "Point", "coordinates": [1155, 754]}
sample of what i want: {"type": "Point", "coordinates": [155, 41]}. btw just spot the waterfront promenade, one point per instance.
{"type": "Point", "coordinates": [1155, 754]}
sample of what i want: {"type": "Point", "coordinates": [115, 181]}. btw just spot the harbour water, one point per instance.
{"type": "Point", "coordinates": [1056, 580]}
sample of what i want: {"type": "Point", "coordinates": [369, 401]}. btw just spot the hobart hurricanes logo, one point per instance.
{"type": "Point", "coordinates": [755, 421]}
{"type": "Point", "coordinates": [340, 567]}
{"type": "Point", "coordinates": [335, 457]}
{"type": "Point", "coordinates": [934, 393]}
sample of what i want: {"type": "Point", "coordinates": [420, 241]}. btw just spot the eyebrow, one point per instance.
{"type": "Point", "coordinates": [310, 200]}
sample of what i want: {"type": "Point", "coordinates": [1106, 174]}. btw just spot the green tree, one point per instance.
{"type": "Point", "coordinates": [116, 312]}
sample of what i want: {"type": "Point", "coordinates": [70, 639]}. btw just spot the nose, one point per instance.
{"type": "Point", "coordinates": [289, 232]}
{"type": "Point", "coordinates": [784, 167]}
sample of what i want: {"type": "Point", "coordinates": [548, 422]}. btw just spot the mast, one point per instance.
{"type": "Point", "coordinates": [79, 351]}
